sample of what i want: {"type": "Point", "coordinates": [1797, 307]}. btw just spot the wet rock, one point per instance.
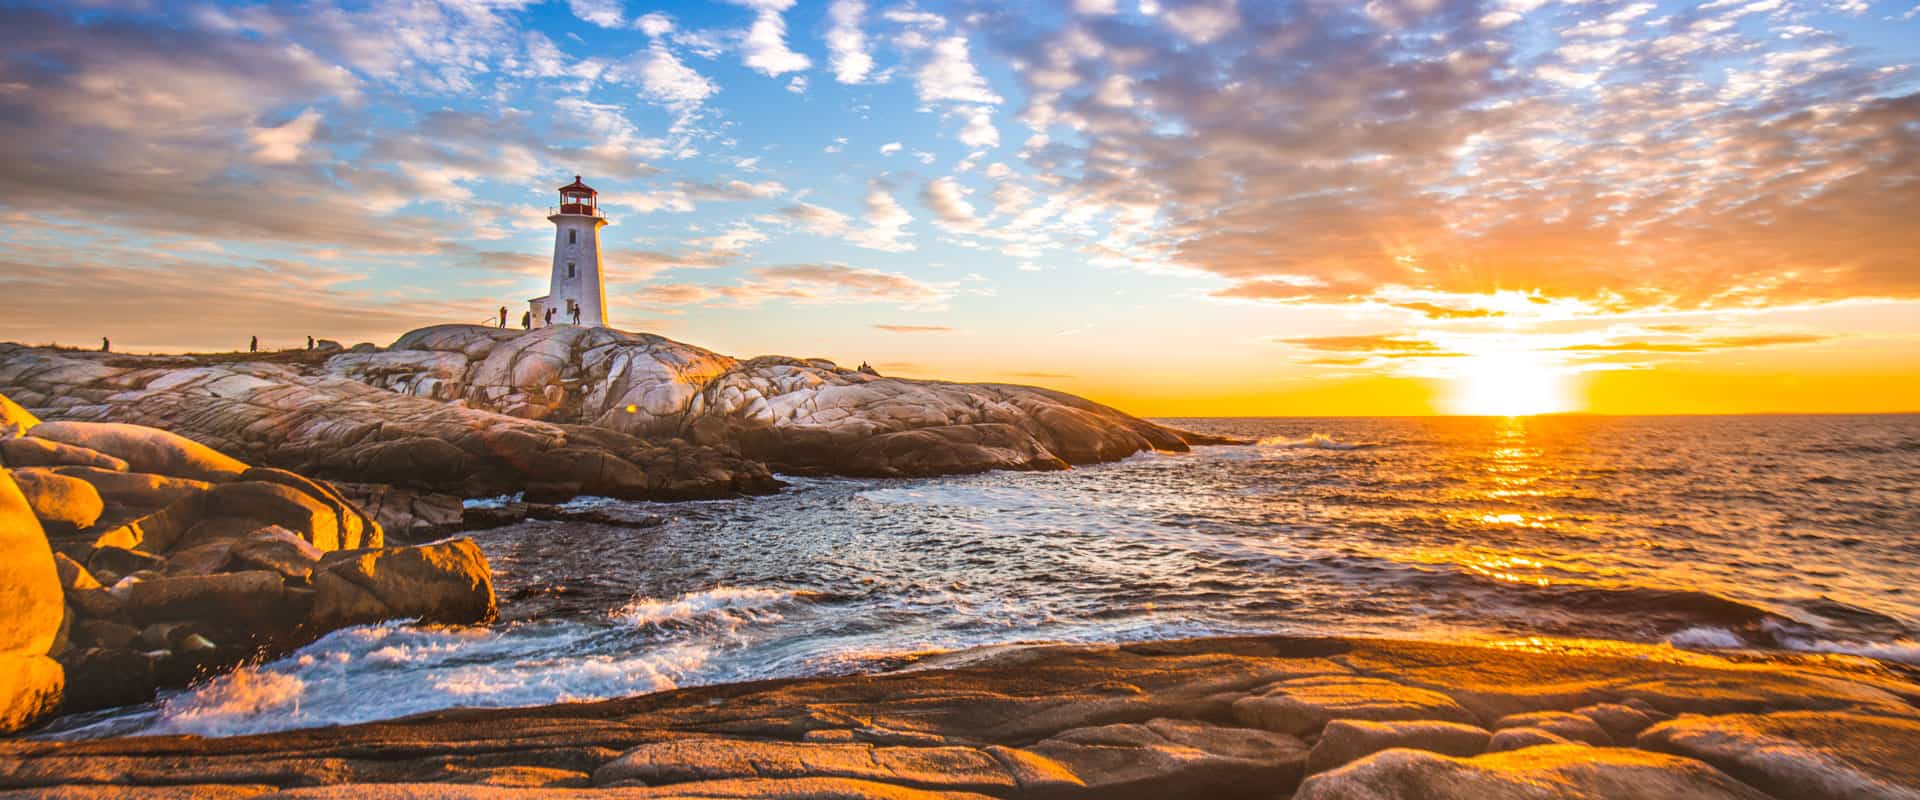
{"type": "Point", "coordinates": [1803, 754]}
{"type": "Point", "coordinates": [1566, 725]}
{"type": "Point", "coordinates": [446, 582]}
{"type": "Point", "coordinates": [145, 449]}
{"type": "Point", "coordinates": [1302, 706]}
{"type": "Point", "coordinates": [61, 503]}
{"type": "Point", "coordinates": [1537, 773]}
{"type": "Point", "coordinates": [33, 451]}
{"type": "Point", "coordinates": [32, 610]}
{"type": "Point", "coordinates": [1347, 740]}
{"type": "Point", "coordinates": [1166, 757]}
{"type": "Point", "coordinates": [105, 677]}
{"type": "Point", "coordinates": [105, 633]}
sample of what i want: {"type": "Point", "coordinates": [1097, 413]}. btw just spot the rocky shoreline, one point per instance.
{"type": "Point", "coordinates": [136, 560]}
{"type": "Point", "coordinates": [1266, 717]}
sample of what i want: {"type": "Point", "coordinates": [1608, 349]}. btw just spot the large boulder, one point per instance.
{"type": "Point", "coordinates": [446, 582]}
{"type": "Point", "coordinates": [33, 451]}
{"type": "Point", "coordinates": [145, 449]}
{"type": "Point", "coordinates": [31, 614]}
{"type": "Point", "coordinates": [62, 503]}
{"type": "Point", "coordinates": [15, 420]}
{"type": "Point", "coordinates": [1555, 772]}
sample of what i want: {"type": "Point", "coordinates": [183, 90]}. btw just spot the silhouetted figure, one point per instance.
{"type": "Point", "coordinates": [105, 346]}
{"type": "Point", "coordinates": [576, 315]}
{"type": "Point", "coordinates": [549, 321]}
{"type": "Point", "coordinates": [526, 321]}
{"type": "Point", "coordinates": [868, 369]}
{"type": "Point", "coordinates": [503, 316]}
{"type": "Point", "coordinates": [309, 342]}
{"type": "Point", "coordinates": [253, 344]}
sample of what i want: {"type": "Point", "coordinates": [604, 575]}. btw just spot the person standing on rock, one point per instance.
{"type": "Point", "coordinates": [549, 317]}
{"type": "Point", "coordinates": [309, 342]}
{"type": "Point", "coordinates": [576, 315]}
{"type": "Point", "coordinates": [105, 346]}
{"type": "Point", "coordinates": [503, 316]}
{"type": "Point", "coordinates": [526, 321]}
{"type": "Point", "coordinates": [253, 344]}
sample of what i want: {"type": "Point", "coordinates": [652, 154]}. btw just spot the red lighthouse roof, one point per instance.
{"type": "Point", "coordinates": [577, 187]}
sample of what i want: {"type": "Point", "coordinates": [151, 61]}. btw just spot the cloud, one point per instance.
{"type": "Point", "coordinates": [1698, 345]}
{"type": "Point", "coordinates": [1378, 344]}
{"type": "Point", "coordinates": [604, 13]}
{"type": "Point", "coordinates": [1433, 311]}
{"type": "Point", "coordinates": [806, 284]}
{"type": "Point", "coordinates": [282, 144]}
{"type": "Point", "coordinates": [884, 227]}
{"type": "Point", "coordinates": [847, 50]}
{"type": "Point", "coordinates": [949, 75]}
{"type": "Point", "coordinates": [948, 200]}
{"type": "Point", "coordinates": [914, 328]}
{"type": "Point", "coordinates": [1334, 153]}
{"type": "Point", "coordinates": [666, 80]}
{"type": "Point", "coordinates": [765, 42]}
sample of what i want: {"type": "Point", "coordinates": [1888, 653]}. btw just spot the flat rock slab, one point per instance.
{"type": "Point", "coordinates": [1549, 772]}
{"type": "Point", "coordinates": [1810, 755]}
{"type": "Point", "coordinates": [1153, 720]}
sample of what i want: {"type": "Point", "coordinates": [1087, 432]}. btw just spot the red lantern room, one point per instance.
{"type": "Point", "coordinates": [579, 198]}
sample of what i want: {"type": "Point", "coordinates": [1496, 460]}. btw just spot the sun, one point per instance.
{"type": "Point", "coordinates": [1508, 384]}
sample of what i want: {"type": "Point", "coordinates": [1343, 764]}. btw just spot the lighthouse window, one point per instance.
{"type": "Point", "coordinates": [570, 236]}
{"type": "Point", "coordinates": [569, 269]}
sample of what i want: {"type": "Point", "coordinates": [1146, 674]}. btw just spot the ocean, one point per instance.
{"type": "Point", "coordinates": [1770, 533]}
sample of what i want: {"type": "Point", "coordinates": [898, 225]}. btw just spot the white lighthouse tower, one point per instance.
{"type": "Point", "coordinates": [576, 285]}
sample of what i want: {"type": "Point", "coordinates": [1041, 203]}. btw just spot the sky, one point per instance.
{"type": "Point", "coordinates": [1177, 208]}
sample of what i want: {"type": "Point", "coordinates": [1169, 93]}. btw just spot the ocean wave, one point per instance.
{"type": "Point", "coordinates": [721, 607]}
{"type": "Point", "coordinates": [1705, 637]}
{"type": "Point", "coordinates": [394, 669]}
{"type": "Point", "coordinates": [1905, 651]}
{"type": "Point", "coordinates": [1316, 441]}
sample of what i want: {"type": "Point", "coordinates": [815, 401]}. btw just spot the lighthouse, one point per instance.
{"type": "Point", "coordinates": [576, 284]}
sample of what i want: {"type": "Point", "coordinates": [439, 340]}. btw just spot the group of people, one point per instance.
{"type": "Point", "coordinates": [526, 319]}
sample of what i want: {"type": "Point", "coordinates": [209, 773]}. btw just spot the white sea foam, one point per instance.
{"type": "Point", "coordinates": [1317, 441]}
{"type": "Point", "coordinates": [1905, 651]}
{"type": "Point", "coordinates": [394, 669]}
{"type": "Point", "coordinates": [722, 607]}
{"type": "Point", "coordinates": [1705, 637]}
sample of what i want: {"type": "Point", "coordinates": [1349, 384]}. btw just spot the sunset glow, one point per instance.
{"type": "Point", "coordinates": [1396, 207]}
{"type": "Point", "coordinates": [1508, 385]}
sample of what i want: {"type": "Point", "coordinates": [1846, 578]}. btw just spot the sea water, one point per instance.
{"type": "Point", "coordinates": [1780, 533]}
